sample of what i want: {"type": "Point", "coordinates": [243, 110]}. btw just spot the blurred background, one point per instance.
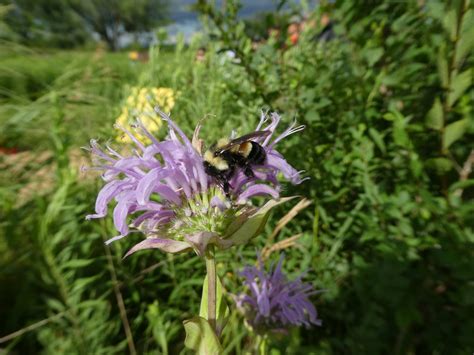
{"type": "Point", "coordinates": [385, 91]}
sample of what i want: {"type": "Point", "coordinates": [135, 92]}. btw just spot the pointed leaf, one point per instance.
{"type": "Point", "coordinates": [460, 84]}
{"type": "Point", "coordinates": [400, 135]}
{"type": "Point", "coordinates": [55, 305]}
{"type": "Point", "coordinates": [465, 43]}
{"type": "Point", "coordinates": [373, 55]}
{"type": "Point", "coordinates": [464, 46]}
{"type": "Point", "coordinates": [450, 20]}
{"type": "Point", "coordinates": [443, 67]}
{"type": "Point", "coordinates": [222, 310]}
{"type": "Point", "coordinates": [434, 118]}
{"type": "Point", "coordinates": [200, 337]}
{"type": "Point", "coordinates": [453, 132]}
{"type": "Point", "coordinates": [77, 263]}
{"type": "Point", "coordinates": [436, 9]}
{"type": "Point", "coordinates": [81, 283]}
{"type": "Point", "coordinates": [239, 220]}
{"type": "Point", "coordinates": [378, 139]}
{"type": "Point", "coordinates": [255, 222]}
{"type": "Point", "coordinates": [461, 184]}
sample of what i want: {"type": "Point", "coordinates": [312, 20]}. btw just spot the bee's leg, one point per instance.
{"type": "Point", "coordinates": [248, 171]}
{"type": "Point", "coordinates": [226, 188]}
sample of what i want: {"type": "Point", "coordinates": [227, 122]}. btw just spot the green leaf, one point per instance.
{"type": "Point", "coordinates": [441, 165]}
{"type": "Point", "coordinates": [222, 310]}
{"type": "Point", "coordinates": [81, 283]}
{"type": "Point", "coordinates": [200, 337]}
{"type": "Point", "coordinates": [459, 85]}
{"type": "Point", "coordinates": [55, 305]}
{"type": "Point", "coordinates": [434, 118]}
{"type": "Point", "coordinates": [400, 136]}
{"type": "Point", "coordinates": [436, 9]}
{"type": "Point", "coordinates": [252, 224]}
{"type": "Point", "coordinates": [443, 67]}
{"type": "Point", "coordinates": [450, 23]}
{"type": "Point", "coordinates": [415, 164]}
{"type": "Point", "coordinates": [453, 132]}
{"type": "Point", "coordinates": [373, 55]}
{"type": "Point", "coordinates": [378, 139]}
{"type": "Point", "coordinates": [462, 184]}
{"type": "Point", "coordinates": [465, 43]}
{"type": "Point", "coordinates": [77, 263]}
{"type": "Point", "coordinates": [312, 116]}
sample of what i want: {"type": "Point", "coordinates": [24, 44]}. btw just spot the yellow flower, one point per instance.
{"type": "Point", "coordinates": [139, 105]}
{"type": "Point", "coordinates": [133, 55]}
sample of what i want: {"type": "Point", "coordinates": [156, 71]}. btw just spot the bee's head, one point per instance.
{"type": "Point", "coordinates": [214, 149]}
{"type": "Point", "coordinates": [216, 161]}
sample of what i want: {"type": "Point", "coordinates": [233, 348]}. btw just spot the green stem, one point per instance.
{"type": "Point", "coordinates": [262, 342]}
{"type": "Point", "coordinates": [211, 287]}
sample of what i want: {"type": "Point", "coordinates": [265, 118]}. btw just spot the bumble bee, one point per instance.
{"type": "Point", "coordinates": [223, 158]}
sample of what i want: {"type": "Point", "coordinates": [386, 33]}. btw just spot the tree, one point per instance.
{"type": "Point", "coordinates": [112, 18]}
{"type": "Point", "coordinates": [66, 23]}
{"type": "Point", "coordinates": [45, 22]}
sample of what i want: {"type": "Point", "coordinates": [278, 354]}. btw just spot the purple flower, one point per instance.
{"type": "Point", "coordinates": [272, 302]}
{"type": "Point", "coordinates": [162, 190]}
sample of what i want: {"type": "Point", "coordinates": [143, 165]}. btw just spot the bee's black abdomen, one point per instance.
{"type": "Point", "coordinates": [257, 154]}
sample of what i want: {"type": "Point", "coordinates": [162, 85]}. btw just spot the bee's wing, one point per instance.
{"type": "Point", "coordinates": [243, 139]}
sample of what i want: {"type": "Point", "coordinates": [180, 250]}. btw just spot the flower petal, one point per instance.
{"type": "Point", "coordinates": [106, 194]}
{"type": "Point", "coordinates": [290, 130]}
{"type": "Point", "coordinates": [217, 202]}
{"type": "Point", "coordinates": [120, 216]}
{"type": "Point", "coordinates": [275, 161]}
{"type": "Point", "coordinates": [108, 241]}
{"type": "Point", "coordinates": [167, 193]}
{"type": "Point", "coordinates": [174, 127]}
{"type": "Point", "coordinates": [257, 190]}
{"type": "Point", "coordinates": [272, 302]}
{"type": "Point", "coordinates": [148, 183]}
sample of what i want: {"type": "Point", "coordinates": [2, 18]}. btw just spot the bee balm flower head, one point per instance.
{"type": "Point", "coordinates": [272, 302]}
{"type": "Point", "coordinates": [163, 191]}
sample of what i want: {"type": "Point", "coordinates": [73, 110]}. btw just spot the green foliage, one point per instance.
{"type": "Point", "coordinates": [85, 84]}
{"type": "Point", "coordinates": [200, 337]}
{"type": "Point", "coordinates": [388, 108]}
{"type": "Point", "coordinates": [222, 309]}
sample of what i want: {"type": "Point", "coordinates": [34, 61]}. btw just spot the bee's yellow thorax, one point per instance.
{"type": "Point", "coordinates": [222, 142]}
